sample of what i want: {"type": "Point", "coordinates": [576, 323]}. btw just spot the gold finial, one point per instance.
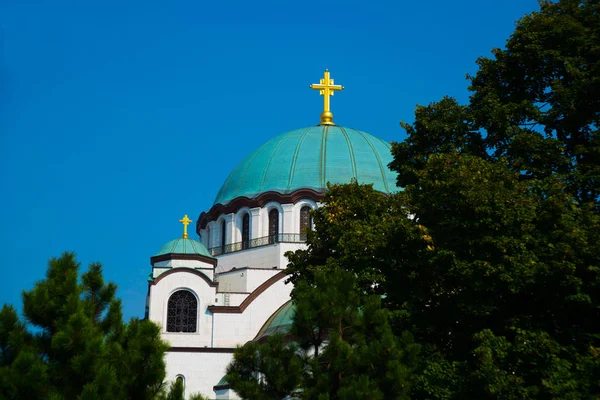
{"type": "Point", "coordinates": [185, 221]}
{"type": "Point", "coordinates": [326, 89]}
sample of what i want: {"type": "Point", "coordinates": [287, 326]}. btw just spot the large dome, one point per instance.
{"type": "Point", "coordinates": [309, 158]}
{"type": "Point", "coordinates": [280, 322]}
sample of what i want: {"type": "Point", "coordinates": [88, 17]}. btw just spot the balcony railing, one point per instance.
{"type": "Point", "coordinates": [258, 242]}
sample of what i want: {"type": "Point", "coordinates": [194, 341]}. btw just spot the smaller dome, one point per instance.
{"type": "Point", "coordinates": [184, 246]}
{"type": "Point", "coordinates": [279, 322]}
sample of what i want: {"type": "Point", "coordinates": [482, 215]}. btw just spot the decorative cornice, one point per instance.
{"type": "Point", "coordinates": [234, 269]}
{"type": "Point", "coordinates": [248, 300]}
{"type": "Point", "coordinates": [259, 201]}
{"type": "Point", "coordinates": [179, 256]}
{"type": "Point", "coordinates": [201, 349]}
{"type": "Point", "coordinates": [186, 270]}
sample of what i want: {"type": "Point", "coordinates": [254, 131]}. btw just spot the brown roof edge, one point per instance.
{"type": "Point", "coordinates": [248, 300]}
{"type": "Point", "coordinates": [259, 201]}
{"type": "Point", "coordinates": [201, 349]}
{"type": "Point", "coordinates": [178, 256]}
{"type": "Point", "coordinates": [186, 270]}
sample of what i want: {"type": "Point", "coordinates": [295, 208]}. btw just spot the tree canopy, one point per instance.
{"type": "Point", "coordinates": [343, 347]}
{"type": "Point", "coordinates": [490, 254]}
{"type": "Point", "coordinates": [74, 343]}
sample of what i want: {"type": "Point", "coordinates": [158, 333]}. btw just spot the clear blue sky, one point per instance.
{"type": "Point", "coordinates": [117, 117]}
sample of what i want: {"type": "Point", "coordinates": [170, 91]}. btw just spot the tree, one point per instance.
{"type": "Point", "coordinates": [176, 391]}
{"type": "Point", "coordinates": [490, 255]}
{"type": "Point", "coordinates": [538, 100]}
{"type": "Point", "coordinates": [269, 370]}
{"type": "Point", "coordinates": [79, 346]}
{"type": "Point", "coordinates": [340, 347]}
{"type": "Point", "coordinates": [534, 106]}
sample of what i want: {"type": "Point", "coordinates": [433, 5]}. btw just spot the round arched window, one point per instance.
{"type": "Point", "coordinates": [246, 231]}
{"type": "Point", "coordinates": [305, 221]}
{"type": "Point", "coordinates": [273, 226]}
{"type": "Point", "coordinates": [182, 312]}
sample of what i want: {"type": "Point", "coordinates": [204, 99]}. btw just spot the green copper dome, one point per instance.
{"type": "Point", "coordinates": [309, 158]}
{"type": "Point", "coordinates": [184, 246]}
{"type": "Point", "coordinates": [279, 322]}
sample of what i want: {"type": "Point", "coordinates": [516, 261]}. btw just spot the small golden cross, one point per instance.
{"type": "Point", "coordinates": [326, 89]}
{"type": "Point", "coordinates": [185, 221]}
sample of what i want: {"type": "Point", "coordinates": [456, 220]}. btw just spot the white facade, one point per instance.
{"type": "Point", "coordinates": [289, 222]}
{"type": "Point", "coordinates": [235, 294]}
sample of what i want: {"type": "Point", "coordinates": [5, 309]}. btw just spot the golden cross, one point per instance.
{"type": "Point", "coordinates": [326, 89]}
{"type": "Point", "coordinates": [185, 221]}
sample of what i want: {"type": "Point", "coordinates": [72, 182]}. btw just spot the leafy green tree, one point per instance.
{"type": "Point", "coordinates": [534, 106]}
{"type": "Point", "coordinates": [492, 274]}
{"type": "Point", "coordinates": [507, 187]}
{"type": "Point", "coordinates": [490, 255]}
{"type": "Point", "coordinates": [79, 347]}
{"type": "Point", "coordinates": [538, 100]}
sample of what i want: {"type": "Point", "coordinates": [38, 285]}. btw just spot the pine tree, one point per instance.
{"type": "Point", "coordinates": [79, 346]}
{"type": "Point", "coordinates": [340, 346]}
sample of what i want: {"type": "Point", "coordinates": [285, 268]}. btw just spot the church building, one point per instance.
{"type": "Point", "coordinates": [227, 288]}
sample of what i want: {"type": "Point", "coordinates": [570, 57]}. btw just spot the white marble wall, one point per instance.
{"type": "Point", "coordinates": [269, 257]}
{"type": "Point", "coordinates": [200, 371]}
{"type": "Point", "coordinates": [236, 329]}
{"type": "Point", "coordinates": [160, 293]}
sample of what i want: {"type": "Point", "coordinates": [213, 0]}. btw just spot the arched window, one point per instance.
{"type": "Point", "coordinates": [246, 231]}
{"type": "Point", "coordinates": [180, 380]}
{"type": "Point", "coordinates": [273, 225]}
{"type": "Point", "coordinates": [305, 221]}
{"type": "Point", "coordinates": [223, 233]}
{"type": "Point", "coordinates": [182, 312]}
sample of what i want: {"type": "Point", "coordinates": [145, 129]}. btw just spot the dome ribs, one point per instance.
{"type": "Point", "coordinates": [381, 166]}
{"type": "Point", "coordinates": [266, 170]}
{"type": "Point", "coordinates": [351, 152]}
{"type": "Point", "coordinates": [309, 158]}
{"type": "Point", "coordinates": [295, 158]}
{"type": "Point", "coordinates": [247, 166]}
{"type": "Point", "coordinates": [323, 159]}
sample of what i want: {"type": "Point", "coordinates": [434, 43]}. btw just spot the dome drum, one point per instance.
{"type": "Point", "coordinates": [299, 164]}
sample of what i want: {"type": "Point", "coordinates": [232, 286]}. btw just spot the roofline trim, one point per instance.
{"type": "Point", "coordinates": [201, 349]}
{"type": "Point", "coordinates": [248, 300]}
{"type": "Point", "coordinates": [183, 269]}
{"type": "Point", "coordinates": [259, 201]}
{"type": "Point", "coordinates": [182, 256]}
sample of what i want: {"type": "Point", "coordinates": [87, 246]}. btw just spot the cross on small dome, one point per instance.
{"type": "Point", "coordinates": [185, 221]}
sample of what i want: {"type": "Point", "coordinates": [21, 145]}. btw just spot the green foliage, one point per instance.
{"type": "Point", "coordinates": [269, 370]}
{"type": "Point", "coordinates": [343, 348]}
{"type": "Point", "coordinates": [176, 391]}
{"type": "Point", "coordinates": [197, 396]}
{"type": "Point", "coordinates": [81, 349]}
{"type": "Point", "coordinates": [541, 95]}
{"type": "Point", "coordinates": [490, 256]}
{"type": "Point", "coordinates": [508, 190]}
{"type": "Point", "coordinates": [353, 237]}
{"type": "Point", "coordinates": [534, 106]}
